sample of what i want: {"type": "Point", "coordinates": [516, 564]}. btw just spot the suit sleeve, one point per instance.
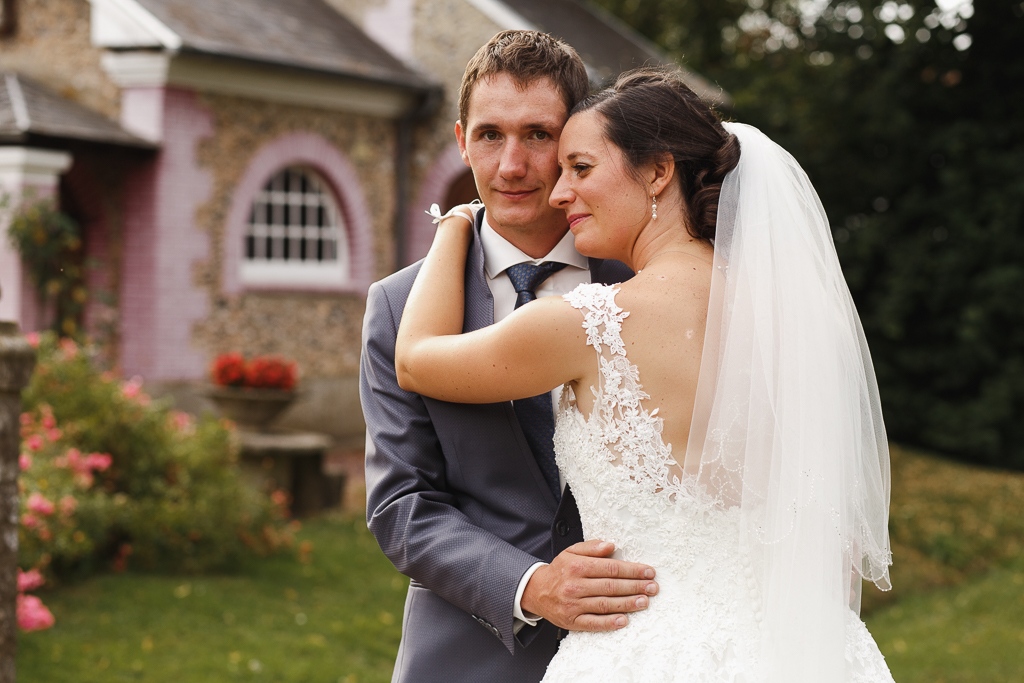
{"type": "Point", "coordinates": [409, 510]}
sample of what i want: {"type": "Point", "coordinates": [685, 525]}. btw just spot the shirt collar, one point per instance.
{"type": "Point", "coordinates": [499, 253]}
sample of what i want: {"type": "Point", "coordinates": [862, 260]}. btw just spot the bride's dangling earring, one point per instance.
{"type": "Point", "coordinates": [654, 207]}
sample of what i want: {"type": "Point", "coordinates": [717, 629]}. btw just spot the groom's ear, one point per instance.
{"type": "Point", "coordinates": [460, 136]}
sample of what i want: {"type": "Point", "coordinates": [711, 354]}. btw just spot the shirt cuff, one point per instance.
{"type": "Point", "coordinates": [517, 609]}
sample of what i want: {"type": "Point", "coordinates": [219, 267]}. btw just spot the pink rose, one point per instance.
{"type": "Point", "coordinates": [29, 521]}
{"type": "Point", "coordinates": [98, 461]}
{"type": "Point", "coordinates": [34, 442]}
{"type": "Point", "coordinates": [32, 614]}
{"type": "Point", "coordinates": [24, 461]}
{"type": "Point", "coordinates": [69, 459]}
{"type": "Point", "coordinates": [69, 347]}
{"type": "Point", "coordinates": [279, 498]}
{"type": "Point", "coordinates": [181, 421]}
{"type": "Point", "coordinates": [33, 339]}
{"type": "Point", "coordinates": [48, 421]}
{"type": "Point", "coordinates": [40, 505]}
{"type": "Point", "coordinates": [68, 505]}
{"type": "Point", "coordinates": [30, 580]}
{"type": "Point", "coordinates": [132, 388]}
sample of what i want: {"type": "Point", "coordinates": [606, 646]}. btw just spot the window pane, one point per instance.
{"type": "Point", "coordinates": [293, 220]}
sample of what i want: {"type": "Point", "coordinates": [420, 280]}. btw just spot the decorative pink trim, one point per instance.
{"type": "Point", "coordinates": [419, 230]}
{"type": "Point", "coordinates": [307, 149]}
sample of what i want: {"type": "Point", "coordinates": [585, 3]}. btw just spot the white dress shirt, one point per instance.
{"type": "Point", "coordinates": [500, 254]}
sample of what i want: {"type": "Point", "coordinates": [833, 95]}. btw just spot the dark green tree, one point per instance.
{"type": "Point", "coordinates": [910, 121]}
{"type": "Point", "coordinates": [691, 30]}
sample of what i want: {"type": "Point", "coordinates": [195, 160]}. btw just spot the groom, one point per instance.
{"type": "Point", "coordinates": [466, 499]}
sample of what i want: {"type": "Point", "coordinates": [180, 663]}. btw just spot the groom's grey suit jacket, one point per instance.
{"type": "Point", "coordinates": [458, 503]}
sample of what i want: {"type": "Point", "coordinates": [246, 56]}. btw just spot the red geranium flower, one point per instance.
{"type": "Point", "coordinates": [262, 372]}
{"type": "Point", "coordinates": [270, 372]}
{"type": "Point", "coordinates": [229, 370]}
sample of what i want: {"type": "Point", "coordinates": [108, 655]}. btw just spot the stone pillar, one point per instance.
{"type": "Point", "coordinates": [17, 360]}
{"type": "Point", "coordinates": [32, 174]}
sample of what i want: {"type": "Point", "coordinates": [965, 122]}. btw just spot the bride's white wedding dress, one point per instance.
{"type": "Point", "coordinates": [704, 625]}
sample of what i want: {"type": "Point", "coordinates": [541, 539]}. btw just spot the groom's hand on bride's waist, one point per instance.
{"type": "Point", "coordinates": [584, 589]}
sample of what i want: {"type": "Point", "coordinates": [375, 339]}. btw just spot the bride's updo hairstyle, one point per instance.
{"type": "Point", "coordinates": [650, 113]}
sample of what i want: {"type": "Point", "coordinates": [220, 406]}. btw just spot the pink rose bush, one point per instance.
{"type": "Point", "coordinates": [55, 478]}
{"type": "Point", "coordinates": [113, 480]}
{"type": "Point", "coordinates": [31, 612]}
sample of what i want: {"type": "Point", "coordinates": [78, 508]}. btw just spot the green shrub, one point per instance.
{"type": "Point", "coordinates": [50, 245]}
{"type": "Point", "coordinates": [112, 478]}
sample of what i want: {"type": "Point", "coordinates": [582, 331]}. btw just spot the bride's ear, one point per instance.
{"type": "Point", "coordinates": [660, 173]}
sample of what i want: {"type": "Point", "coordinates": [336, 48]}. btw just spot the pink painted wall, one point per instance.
{"type": "Point", "coordinates": [159, 301]}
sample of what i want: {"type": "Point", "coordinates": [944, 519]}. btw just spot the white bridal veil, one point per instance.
{"type": "Point", "coordinates": [787, 424]}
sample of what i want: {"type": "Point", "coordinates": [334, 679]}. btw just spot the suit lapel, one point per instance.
{"type": "Point", "coordinates": [479, 300]}
{"type": "Point", "coordinates": [480, 313]}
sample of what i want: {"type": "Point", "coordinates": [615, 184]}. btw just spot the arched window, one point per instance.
{"type": "Point", "coordinates": [296, 233]}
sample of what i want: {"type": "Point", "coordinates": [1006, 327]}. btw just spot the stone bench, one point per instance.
{"type": "Point", "coordinates": [293, 462]}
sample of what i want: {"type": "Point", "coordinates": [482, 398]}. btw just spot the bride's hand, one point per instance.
{"type": "Point", "coordinates": [436, 302]}
{"type": "Point", "coordinates": [454, 214]}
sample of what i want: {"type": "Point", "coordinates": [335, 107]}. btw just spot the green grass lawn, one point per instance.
{"type": "Point", "coordinates": [956, 615]}
{"type": "Point", "coordinates": [335, 618]}
{"type": "Point", "coordinates": [973, 633]}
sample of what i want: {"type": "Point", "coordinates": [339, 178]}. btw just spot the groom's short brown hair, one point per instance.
{"type": "Point", "coordinates": [527, 56]}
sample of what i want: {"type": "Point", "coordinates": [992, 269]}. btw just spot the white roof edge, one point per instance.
{"type": "Point", "coordinates": [146, 69]}
{"type": "Point", "coordinates": [18, 105]}
{"type": "Point", "coordinates": [508, 19]}
{"type": "Point", "coordinates": [126, 23]}
{"type": "Point", "coordinates": [503, 15]}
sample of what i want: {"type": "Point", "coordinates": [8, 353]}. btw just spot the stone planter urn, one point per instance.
{"type": "Point", "coordinates": [249, 407]}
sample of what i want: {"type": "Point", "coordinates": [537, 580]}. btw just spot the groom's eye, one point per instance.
{"type": "Point", "coordinates": [490, 135]}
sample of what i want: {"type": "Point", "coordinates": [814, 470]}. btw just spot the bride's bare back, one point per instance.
{"type": "Point", "coordinates": [664, 337]}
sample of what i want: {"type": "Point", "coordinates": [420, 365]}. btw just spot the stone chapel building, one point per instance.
{"type": "Point", "coordinates": [242, 170]}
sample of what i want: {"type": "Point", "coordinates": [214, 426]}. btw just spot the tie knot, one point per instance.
{"type": "Point", "coordinates": [526, 277]}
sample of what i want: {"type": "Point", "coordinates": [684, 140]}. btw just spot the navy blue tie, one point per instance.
{"type": "Point", "coordinates": [534, 413]}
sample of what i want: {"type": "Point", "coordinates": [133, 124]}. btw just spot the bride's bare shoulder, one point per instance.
{"type": "Point", "coordinates": [684, 285]}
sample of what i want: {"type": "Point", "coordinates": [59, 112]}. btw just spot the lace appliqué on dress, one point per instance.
{"type": "Point", "coordinates": [631, 434]}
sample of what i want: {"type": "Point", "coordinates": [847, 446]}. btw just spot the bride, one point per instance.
{"type": "Point", "coordinates": [719, 417]}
